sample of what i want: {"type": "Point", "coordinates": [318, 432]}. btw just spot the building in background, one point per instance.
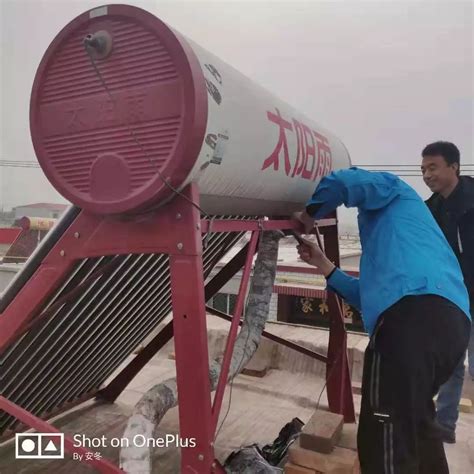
{"type": "Point", "coordinates": [41, 209]}
{"type": "Point", "coordinates": [299, 292]}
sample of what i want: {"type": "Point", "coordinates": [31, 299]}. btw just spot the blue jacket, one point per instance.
{"type": "Point", "coordinates": [403, 250]}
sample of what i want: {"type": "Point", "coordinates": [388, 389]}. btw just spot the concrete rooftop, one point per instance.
{"type": "Point", "coordinates": [259, 408]}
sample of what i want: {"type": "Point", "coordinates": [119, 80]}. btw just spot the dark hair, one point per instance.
{"type": "Point", "coordinates": [449, 151]}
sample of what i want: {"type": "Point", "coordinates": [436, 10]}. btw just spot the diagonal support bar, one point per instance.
{"type": "Point", "coordinates": [233, 330]}
{"type": "Point", "coordinates": [68, 297]}
{"type": "Point", "coordinates": [225, 274]}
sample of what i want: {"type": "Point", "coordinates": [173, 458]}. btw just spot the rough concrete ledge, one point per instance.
{"type": "Point", "coordinates": [283, 358]}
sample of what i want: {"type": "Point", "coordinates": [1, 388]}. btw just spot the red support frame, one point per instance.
{"type": "Point", "coordinates": [191, 350]}
{"type": "Point", "coordinates": [91, 236]}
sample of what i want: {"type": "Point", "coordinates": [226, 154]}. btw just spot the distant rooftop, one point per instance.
{"type": "Point", "coordinates": [44, 205]}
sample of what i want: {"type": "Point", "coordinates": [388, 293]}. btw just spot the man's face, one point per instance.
{"type": "Point", "coordinates": [437, 174]}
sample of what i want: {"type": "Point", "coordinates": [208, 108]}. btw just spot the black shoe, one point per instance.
{"type": "Point", "coordinates": [447, 435]}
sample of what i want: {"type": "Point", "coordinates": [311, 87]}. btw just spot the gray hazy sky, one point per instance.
{"type": "Point", "coordinates": [386, 77]}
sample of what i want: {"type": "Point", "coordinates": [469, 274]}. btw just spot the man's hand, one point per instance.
{"type": "Point", "coordinates": [306, 220]}
{"type": "Point", "coordinates": [310, 253]}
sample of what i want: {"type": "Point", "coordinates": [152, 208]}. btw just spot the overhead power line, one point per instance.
{"type": "Point", "coordinates": [405, 170]}
{"type": "Point", "coordinates": [409, 170]}
{"type": "Point", "coordinates": [401, 165]}
{"type": "Point", "coordinates": [19, 164]}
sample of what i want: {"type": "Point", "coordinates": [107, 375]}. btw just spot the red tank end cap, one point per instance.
{"type": "Point", "coordinates": [110, 153]}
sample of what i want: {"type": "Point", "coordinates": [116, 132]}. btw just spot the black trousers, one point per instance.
{"type": "Point", "coordinates": [414, 349]}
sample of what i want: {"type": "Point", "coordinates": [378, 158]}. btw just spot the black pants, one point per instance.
{"type": "Point", "coordinates": [414, 349]}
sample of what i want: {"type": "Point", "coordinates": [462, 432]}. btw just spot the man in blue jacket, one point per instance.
{"type": "Point", "coordinates": [415, 308]}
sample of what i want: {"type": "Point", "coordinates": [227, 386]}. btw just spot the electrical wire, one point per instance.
{"type": "Point", "coordinates": [331, 370]}
{"type": "Point", "coordinates": [330, 374]}
{"type": "Point", "coordinates": [175, 191]}
{"type": "Point", "coordinates": [99, 75]}
{"type": "Point", "coordinates": [339, 308]}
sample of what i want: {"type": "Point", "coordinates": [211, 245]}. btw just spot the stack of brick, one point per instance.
{"type": "Point", "coordinates": [325, 446]}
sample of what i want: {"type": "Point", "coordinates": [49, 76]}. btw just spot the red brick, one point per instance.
{"type": "Point", "coordinates": [340, 461]}
{"type": "Point", "coordinates": [322, 432]}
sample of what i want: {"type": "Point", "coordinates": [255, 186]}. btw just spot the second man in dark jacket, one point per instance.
{"type": "Point", "coordinates": [452, 205]}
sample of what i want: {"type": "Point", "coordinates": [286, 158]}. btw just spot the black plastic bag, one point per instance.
{"type": "Point", "coordinates": [249, 460]}
{"type": "Point", "coordinates": [277, 450]}
{"type": "Point", "coordinates": [255, 460]}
